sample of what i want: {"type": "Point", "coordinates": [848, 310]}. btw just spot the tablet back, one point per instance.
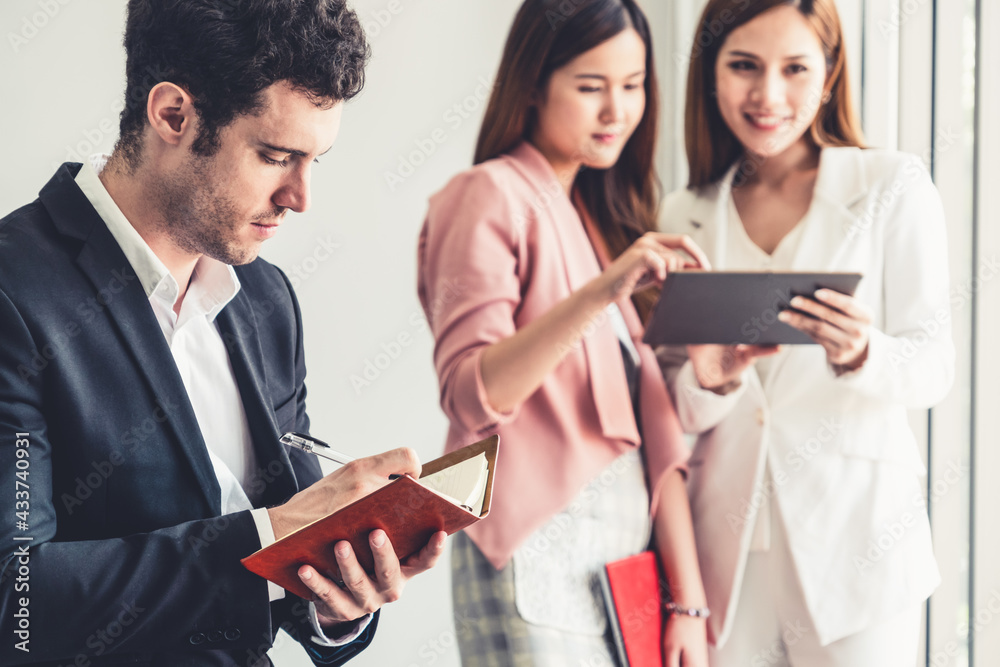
{"type": "Point", "coordinates": [728, 307]}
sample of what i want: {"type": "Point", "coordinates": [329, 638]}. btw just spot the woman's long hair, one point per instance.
{"type": "Point", "coordinates": [547, 34]}
{"type": "Point", "coordinates": [711, 146]}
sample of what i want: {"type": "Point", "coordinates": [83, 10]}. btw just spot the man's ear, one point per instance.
{"type": "Point", "coordinates": [170, 112]}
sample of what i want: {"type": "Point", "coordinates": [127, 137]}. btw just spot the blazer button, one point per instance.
{"type": "Point", "coordinates": [215, 635]}
{"type": "Point", "coordinates": [760, 417]}
{"type": "Point", "coordinates": [232, 634]}
{"type": "Point", "coordinates": [197, 638]}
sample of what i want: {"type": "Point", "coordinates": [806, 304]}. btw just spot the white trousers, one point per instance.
{"type": "Point", "coordinates": [773, 627]}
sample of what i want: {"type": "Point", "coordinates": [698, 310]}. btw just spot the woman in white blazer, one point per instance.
{"type": "Point", "coordinates": [805, 489]}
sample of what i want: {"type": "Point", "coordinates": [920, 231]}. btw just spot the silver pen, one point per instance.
{"type": "Point", "coordinates": [307, 443]}
{"type": "Point", "coordinates": [313, 446]}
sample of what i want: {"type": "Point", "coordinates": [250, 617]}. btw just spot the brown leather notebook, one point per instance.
{"type": "Point", "coordinates": [407, 511]}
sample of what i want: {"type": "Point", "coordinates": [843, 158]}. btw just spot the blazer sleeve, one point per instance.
{"type": "Point", "coordinates": [911, 358]}
{"type": "Point", "coordinates": [291, 614]}
{"type": "Point", "coordinates": [698, 409]}
{"type": "Point", "coordinates": [469, 286]}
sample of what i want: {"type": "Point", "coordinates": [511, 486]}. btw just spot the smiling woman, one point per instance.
{"type": "Point", "coordinates": [819, 86]}
{"type": "Point", "coordinates": [779, 182]}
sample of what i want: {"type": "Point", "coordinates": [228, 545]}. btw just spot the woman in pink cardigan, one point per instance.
{"type": "Point", "coordinates": [531, 267]}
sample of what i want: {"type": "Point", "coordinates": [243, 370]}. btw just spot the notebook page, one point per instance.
{"type": "Point", "coordinates": [464, 482]}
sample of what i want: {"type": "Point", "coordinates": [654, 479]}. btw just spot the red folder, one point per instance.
{"type": "Point", "coordinates": [632, 596]}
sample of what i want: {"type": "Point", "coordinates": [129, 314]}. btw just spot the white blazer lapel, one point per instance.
{"type": "Point", "coordinates": [709, 219]}
{"type": "Point", "coordinates": [829, 223]}
{"type": "Point", "coordinates": [829, 227]}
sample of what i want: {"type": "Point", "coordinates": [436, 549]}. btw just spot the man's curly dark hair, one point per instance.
{"type": "Point", "coordinates": [224, 53]}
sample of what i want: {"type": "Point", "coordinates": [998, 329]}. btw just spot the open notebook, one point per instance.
{"type": "Point", "coordinates": [463, 483]}
{"type": "Point", "coordinates": [453, 492]}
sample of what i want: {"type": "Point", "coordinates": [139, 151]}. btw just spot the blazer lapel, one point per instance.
{"type": "Point", "coordinates": [238, 326]}
{"type": "Point", "coordinates": [829, 223]}
{"type": "Point", "coordinates": [709, 217]}
{"type": "Point", "coordinates": [103, 262]}
{"type": "Point", "coordinates": [609, 386]}
{"type": "Point", "coordinates": [607, 371]}
{"type": "Point", "coordinates": [829, 226]}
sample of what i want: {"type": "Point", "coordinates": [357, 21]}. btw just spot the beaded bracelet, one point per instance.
{"type": "Point", "coordinates": [696, 612]}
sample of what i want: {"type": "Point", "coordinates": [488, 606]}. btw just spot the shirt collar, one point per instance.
{"type": "Point", "coordinates": [213, 283]}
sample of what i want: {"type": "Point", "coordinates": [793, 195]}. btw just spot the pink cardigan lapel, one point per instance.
{"type": "Point", "coordinates": [609, 386]}
{"type": "Point", "coordinates": [661, 429]}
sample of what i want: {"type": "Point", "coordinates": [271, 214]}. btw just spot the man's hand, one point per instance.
{"type": "Point", "coordinates": [361, 593]}
{"type": "Point", "coordinates": [341, 488]}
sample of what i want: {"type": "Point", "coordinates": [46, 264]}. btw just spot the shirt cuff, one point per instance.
{"type": "Point", "coordinates": [860, 375]}
{"type": "Point", "coordinates": [320, 637]}
{"type": "Point", "coordinates": [687, 382]}
{"type": "Point", "coordinates": [701, 409]}
{"type": "Point", "coordinates": [266, 533]}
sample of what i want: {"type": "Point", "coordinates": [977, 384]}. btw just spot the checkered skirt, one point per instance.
{"type": "Point", "coordinates": [544, 609]}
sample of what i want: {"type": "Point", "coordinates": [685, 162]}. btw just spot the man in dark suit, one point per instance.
{"type": "Point", "coordinates": [149, 361]}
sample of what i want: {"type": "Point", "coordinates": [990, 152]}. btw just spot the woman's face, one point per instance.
{"type": "Point", "coordinates": [592, 105]}
{"type": "Point", "coordinates": [770, 77]}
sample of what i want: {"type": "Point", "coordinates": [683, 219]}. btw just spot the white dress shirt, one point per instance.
{"type": "Point", "coordinates": [202, 361]}
{"type": "Point", "coordinates": [621, 330]}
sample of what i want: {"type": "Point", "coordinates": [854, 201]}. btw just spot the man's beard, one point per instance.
{"type": "Point", "coordinates": [199, 221]}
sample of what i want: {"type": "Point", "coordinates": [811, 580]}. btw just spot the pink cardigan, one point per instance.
{"type": "Point", "coordinates": [501, 245]}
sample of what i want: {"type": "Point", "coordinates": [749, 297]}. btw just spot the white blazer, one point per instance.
{"type": "Point", "coordinates": [844, 461]}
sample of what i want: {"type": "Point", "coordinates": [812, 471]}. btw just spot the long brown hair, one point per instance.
{"type": "Point", "coordinates": [547, 34]}
{"type": "Point", "coordinates": [711, 146]}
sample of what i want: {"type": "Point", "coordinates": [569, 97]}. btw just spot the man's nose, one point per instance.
{"type": "Point", "coordinates": [295, 192]}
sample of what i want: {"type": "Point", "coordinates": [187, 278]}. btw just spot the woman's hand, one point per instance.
{"type": "Point", "coordinates": [840, 323]}
{"type": "Point", "coordinates": [718, 367]}
{"type": "Point", "coordinates": [647, 262]}
{"type": "Point", "coordinates": [685, 642]}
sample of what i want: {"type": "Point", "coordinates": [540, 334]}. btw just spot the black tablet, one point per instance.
{"type": "Point", "coordinates": [729, 307]}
